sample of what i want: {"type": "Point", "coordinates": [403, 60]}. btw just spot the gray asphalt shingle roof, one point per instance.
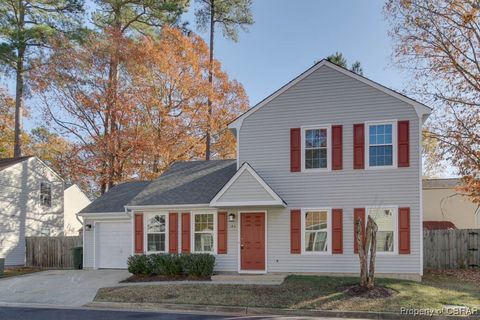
{"type": "Point", "coordinates": [192, 182]}
{"type": "Point", "coordinates": [116, 198]}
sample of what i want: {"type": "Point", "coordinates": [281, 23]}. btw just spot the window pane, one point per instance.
{"type": "Point", "coordinates": [316, 241]}
{"type": "Point", "coordinates": [156, 224]}
{"type": "Point", "coordinates": [156, 242]}
{"type": "Point", "coordinates": [383, 217]}
{"type": "Point", "coordinates": [204, 242]}
{"type": "Point", "coordinates": [316, 231]}
{"type": "Point", "coordinates": [204, 222]}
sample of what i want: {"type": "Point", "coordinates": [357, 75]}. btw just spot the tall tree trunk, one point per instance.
{"type": "Point", "coordinates": [210, 79]}
{"type": "Point", "coordinates": [373, 253]}
{"type": "Point", "coordinates": [19, 89]}
{"type": "Point", "coordinates": [361, 253]}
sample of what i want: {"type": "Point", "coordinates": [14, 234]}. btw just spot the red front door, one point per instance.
{"type": "Point", "coordinates": [252, 241]}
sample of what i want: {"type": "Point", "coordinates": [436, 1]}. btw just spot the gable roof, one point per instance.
{"type": "Point", "coordinates": [185, 183]}
{"type": "Point", "coordinates": [271, 200]}
{"type": "Point", "coordinates": [420, 108]}
{"type": "Point", "coordinates": [116, 198]}
{"type": "Point", "coordinates": [8, 162]}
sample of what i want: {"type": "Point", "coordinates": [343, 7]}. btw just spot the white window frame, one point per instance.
{"type": "Point", "coordinates": [395, 227]}
{"type": "Point", "coordinates": [148, 216]}
{"type": "Point", "coordinates": [40, 194]}
{"type": "Point", "coordinates": [329, 231]}
{"type": "Point", "coordinates": [328, 127]}
{"type": "Point", "coordinates": [394, 144]}
{"type": "Point", "coordinates": [192, 228]}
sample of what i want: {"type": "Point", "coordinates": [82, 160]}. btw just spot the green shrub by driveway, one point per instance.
{"type": "Point", "coordinates": [198, 265]}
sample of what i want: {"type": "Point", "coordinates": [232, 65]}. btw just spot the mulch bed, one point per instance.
{"type": "Point", "coordinates": [150, 278]}
{"type": "Point", "coordinates": [375, 293]}
{"type": "Point", "coordinates": [471, 275]}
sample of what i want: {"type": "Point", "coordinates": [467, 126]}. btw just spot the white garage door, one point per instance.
{"type": "Point", "coordinates": [113, 244]}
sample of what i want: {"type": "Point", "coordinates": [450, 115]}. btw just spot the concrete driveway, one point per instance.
{"type": "Point", "coordinates": [66, 288]}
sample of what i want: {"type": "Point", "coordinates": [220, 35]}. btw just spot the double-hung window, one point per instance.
{"type": "Point", "coordinates": [45, 194]}
{"type": "Point", "coordinates": [385, 219]}
{"type": "Point", "coordinates": [204, 232]}
{"type": "Point", "coordinates": [316, 230]}
{"type": "Point", "coordinates": [156, 233]}
{"type": "Point", "coordinates": [381, 139]}
{"type": "Point", "coordinates": [315, 143]}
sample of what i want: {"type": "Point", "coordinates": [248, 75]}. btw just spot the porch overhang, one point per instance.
{"type": "Point", "coordinates": [247, 189]}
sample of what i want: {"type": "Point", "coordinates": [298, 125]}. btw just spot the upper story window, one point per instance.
{"type": "Point", "coordinates": [156, 233]}
{"type": "Point", "coordinates": [45, 194]}
{"type": "Point", "coordinates": [316, 233]}
{"type": "Point", "coordinates": [203, 232]}
{"type": "Point", "coordinates": [381, 141]}
{"type": "Point", "coordinates": [385, 219]}
{"type": "Point", "coordinates": [315, 148]}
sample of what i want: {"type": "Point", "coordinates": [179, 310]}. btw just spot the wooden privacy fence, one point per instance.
{"type": "Point", "coordinates": [451, 249]}
{"type": "Point", "coordinates": [51, 252]}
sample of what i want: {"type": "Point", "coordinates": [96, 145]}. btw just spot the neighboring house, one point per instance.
{"type": "Point", "coordinates": [328, 148]}
{"type": "Point", "coordinates": [443, 203]}
{"type": "Point", "coordinates": [31, 204]}
{"type": "Point", "coordinates": [74, 201]}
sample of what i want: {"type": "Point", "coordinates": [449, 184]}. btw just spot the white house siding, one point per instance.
{"type": "Point", "coordinates": [75, 200]}
{"type": "Point", "coordinates": [88, 245]}
{"type": "Point", "coordinates": [329, 97]}
{"type": "Point", "coordinates": [245, 188]}
{"type": "Point", "coordinates": [21, 213]}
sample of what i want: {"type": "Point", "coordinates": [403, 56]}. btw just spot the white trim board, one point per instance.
{"type": "Point", "coordinates": [420, 108]}
{"type": "Point", "coordinates": [246, 167]}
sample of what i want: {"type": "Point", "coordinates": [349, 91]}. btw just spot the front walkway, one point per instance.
{"type": "Point", "coordinates": [65, 288]}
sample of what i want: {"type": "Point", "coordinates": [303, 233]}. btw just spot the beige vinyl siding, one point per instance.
{"type": "Point", "coordinates": [330, 97]}
{"type": "Point", "coordinates": [245, 188]}
{"type": "Point", "coordinates": [21, 214]}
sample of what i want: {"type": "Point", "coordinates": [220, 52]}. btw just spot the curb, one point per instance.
{"type": "Point", "coordinates": [255, 311]}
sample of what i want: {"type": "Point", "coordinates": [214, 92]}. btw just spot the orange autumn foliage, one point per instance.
{"type": "Point", "coordinates": [160, 110]}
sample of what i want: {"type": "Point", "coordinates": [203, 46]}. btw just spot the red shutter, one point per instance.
{"type": "Point", "coordinates": [404, 230]}
{"type": "Point", "coordinates": [138, 232]}
{"type": "Point", "coordinates": [295, 147]}
{"type": "Point", "coordinates": [186, 232]}
{"type": "Point", "coordinates": [337, 231]}
{"type": "Point", "coordinates": [173, 232]}
{"type": "Point", "coordinates": [358, 213]}
{"type": "Point", "coordinates": [358, 146]}
{"type": "Point", "coordinates": [222, 232]}
{"type": "Point", "coordinates": [295, 231]}
{"type": "Point", "coordinates": [403, 143]}
{"type": "Point", "coordinates": [337, 144]}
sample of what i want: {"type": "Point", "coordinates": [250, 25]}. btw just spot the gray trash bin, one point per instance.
{"type": "Point", "coordinates": [2, 266]}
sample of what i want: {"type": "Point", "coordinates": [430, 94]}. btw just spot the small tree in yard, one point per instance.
{"type": "Point", "coordinates": [366, 244]}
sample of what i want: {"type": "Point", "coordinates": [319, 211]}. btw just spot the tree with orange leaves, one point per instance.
{"type": "Point", "coordinates": [161, 108]}
{"type": "Point", "coordinates": [172, 91]}
{"type": "Point", "coordinates": [439, 41]}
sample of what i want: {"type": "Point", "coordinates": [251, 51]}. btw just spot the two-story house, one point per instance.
{"type": "Point", "coordinates": [326, 149]}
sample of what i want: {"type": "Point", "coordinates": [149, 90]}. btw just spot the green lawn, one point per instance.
{"type": "Point", "coordinates": [18, 271]}
{"type": "Point", "coordinates": [311, 292]}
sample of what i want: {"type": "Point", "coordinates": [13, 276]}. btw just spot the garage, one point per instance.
{"type": "Point", "coordinates": [113, 244]}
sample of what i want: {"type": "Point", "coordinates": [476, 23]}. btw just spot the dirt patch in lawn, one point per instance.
{"type": "Point", "coordinates": [377, 292]}
{"type": "Point", "coordinates": [469, 275]}
{"type": "Point", "coordinates": [18, 271]}
{"type": "Point", "coordinates": [152, 278]}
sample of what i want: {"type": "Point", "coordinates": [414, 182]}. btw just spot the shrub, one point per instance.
{"type": "Point", "coordinates": [193, 265]}
{"type": "Point", "coordinates": [198, 264]}
{"type": "Point", "coordinates": [138, 264]}
{"type": "Point", "coordinates": [166, 264]}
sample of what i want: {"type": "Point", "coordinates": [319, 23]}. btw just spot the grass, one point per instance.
{"type": "Point", "coordinates": [307, 292]}
{"type": "Point", "coordinates": [12, 272]}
